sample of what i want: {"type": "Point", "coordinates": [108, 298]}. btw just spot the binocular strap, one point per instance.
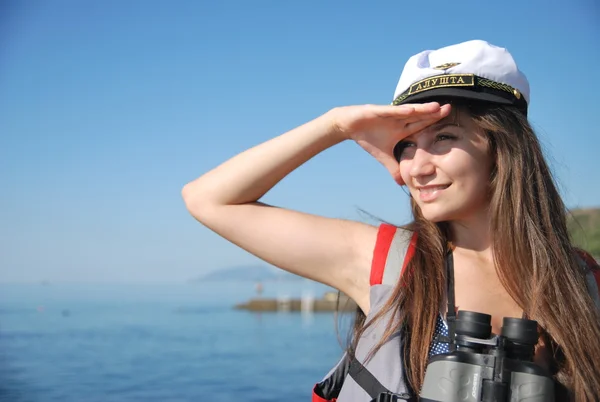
{"type": "Point", "coordinates": [451, 313]}
{"type": "Point", "coordinates": [372, 386]}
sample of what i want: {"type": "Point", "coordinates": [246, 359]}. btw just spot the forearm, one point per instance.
{"type": "Point", "coordinates": [248, 176]}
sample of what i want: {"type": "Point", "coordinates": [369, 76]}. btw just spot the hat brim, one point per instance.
{"type": "Point", "coordinates": [462, 93]}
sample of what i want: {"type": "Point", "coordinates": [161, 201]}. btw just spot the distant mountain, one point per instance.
{"type": "Point", "coordinates": [584, 226]}
{"type": "Point", "coordinates": [248, 273]}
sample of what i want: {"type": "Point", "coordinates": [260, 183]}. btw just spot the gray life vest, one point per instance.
{"type": "Point", "coordinates": [382, 378]}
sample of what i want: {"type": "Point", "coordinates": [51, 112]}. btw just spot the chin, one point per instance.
{"type": "Point", "coordinates": [436, 218]}
{"type": "Point", "coordinates": [442, 212]}
{"type": "Point", "coordinates": [436, 213]}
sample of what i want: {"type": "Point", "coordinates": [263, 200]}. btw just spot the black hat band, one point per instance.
{"type": "Point", "coordinates": [465, 81]}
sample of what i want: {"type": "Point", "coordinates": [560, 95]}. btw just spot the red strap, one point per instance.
{"type": "Point", "coordinates": [591, 263]}
{"type": "Point", "coordinates": [385, 235]}
{"type": "Point", "coordinates": [317, 398]}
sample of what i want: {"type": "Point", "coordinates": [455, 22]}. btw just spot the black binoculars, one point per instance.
{"type": "Point", "coordinates": [486, 368]}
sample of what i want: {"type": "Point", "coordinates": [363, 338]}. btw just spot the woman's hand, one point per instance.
{"type": "Point", "coordinates": [377, 129]}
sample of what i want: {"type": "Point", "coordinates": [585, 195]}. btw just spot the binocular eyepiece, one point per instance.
{"type": "Point", "coordinates": [486, 367]}
{"type": "Point", "coordinates": [519, 335]}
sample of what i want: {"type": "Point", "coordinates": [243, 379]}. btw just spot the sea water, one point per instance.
{"type": "Point", "coordinates": [161, 342]}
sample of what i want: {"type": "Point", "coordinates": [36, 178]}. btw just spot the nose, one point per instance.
{"type": "Point", "coordinates": [422, 164]}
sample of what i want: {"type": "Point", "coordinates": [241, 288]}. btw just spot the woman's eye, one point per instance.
{"type": "Point", "coordinates": [442, 137]}
{"type": "Point", "coordinates": [400, 149]}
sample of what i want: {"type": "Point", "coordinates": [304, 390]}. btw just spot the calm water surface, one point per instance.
{"type": "Point", "coordinates": [159, 342]}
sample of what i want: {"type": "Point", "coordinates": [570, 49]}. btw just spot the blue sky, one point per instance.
{"type": "Point", "coordinates": [108, 108]}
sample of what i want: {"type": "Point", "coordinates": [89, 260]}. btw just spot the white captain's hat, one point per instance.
{"type": "Point", "coordinates": [474, 70]}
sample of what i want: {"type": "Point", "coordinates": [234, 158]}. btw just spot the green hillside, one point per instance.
{"type": "Point", "coordinates": [584, 225]}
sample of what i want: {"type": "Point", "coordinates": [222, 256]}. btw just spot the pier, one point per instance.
{"type": "Point", "coordinates": [328, 303]}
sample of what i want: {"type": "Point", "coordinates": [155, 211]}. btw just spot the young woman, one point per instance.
{"type": "Point", "coordinates": [482, 196]}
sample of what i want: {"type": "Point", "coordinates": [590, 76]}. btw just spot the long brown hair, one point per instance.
{"type": "Point", "coordinates": [533, 255]}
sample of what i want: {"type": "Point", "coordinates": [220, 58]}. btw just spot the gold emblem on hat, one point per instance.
{"type": "Point", "coordinates": [446, 66]}
{"type": "Point", "coordinates": [517, 93]}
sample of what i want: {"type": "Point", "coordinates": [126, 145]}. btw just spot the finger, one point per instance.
{"type": "Point", "coordinates": [428, 107]}
{"type": "Point", "coordinates": [407, 127]}
{"type": "Point", "coordinates": [389, 163]}
{"type": "Point", "coordinates": [398, 177]}
{"type": "Point", "coordinates": [417, 117]}
{"type": "Point", "coordinates": [405, 110]}
{"type": "Point", "coordinates": [408, 110]}
{"type": "Point", "coordinates": [419, 125]}
{"type": "Point", "coordinates": [392, 111]}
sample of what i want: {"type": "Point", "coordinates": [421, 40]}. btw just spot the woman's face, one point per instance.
{"type": "Point", "coordinates": [447, 169]}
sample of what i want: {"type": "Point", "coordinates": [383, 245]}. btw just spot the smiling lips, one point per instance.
{"type": "Point", "coordinates": [431, 192]}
